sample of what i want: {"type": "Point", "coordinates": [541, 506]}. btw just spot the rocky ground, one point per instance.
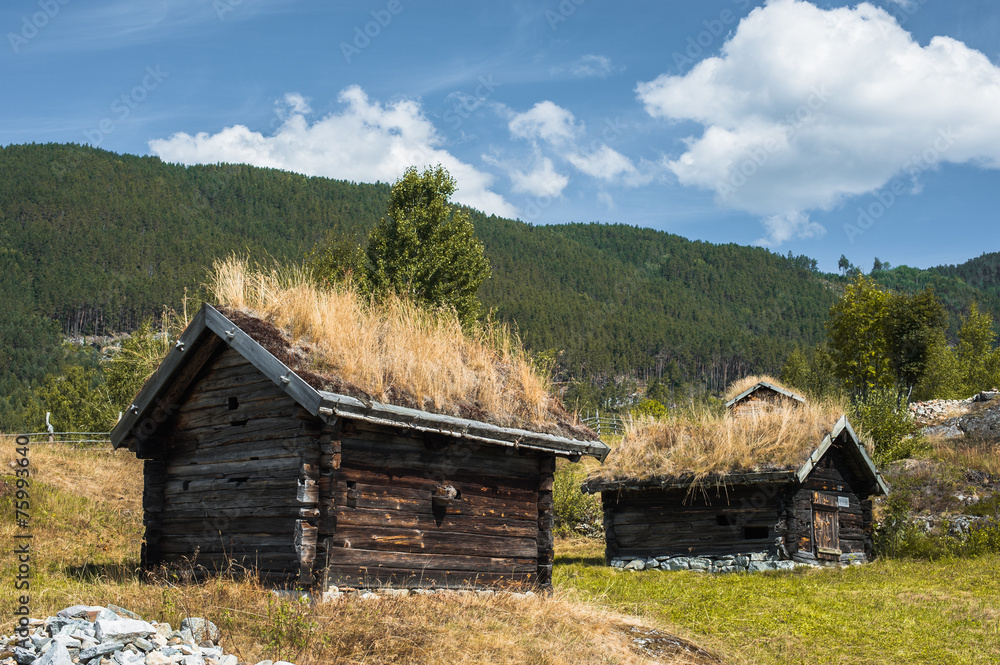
{"type": "Point", "coordinates": [94, 635]}
{"type": "Point", "coordinates": [951, 496]}
{"type": "Point", "coordinates": [976, 416]}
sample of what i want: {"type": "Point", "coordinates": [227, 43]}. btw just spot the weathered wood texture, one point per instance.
{"type": "Point", "coordinates": [781, 518]}
{"type": "Point", "coordinates": [241, 475]}
{"type": "Point", "coordinates": [761, 399]}
{"type": "Point", "coordinates": [821, 518]}
{"type": "Point", "coordinates": [234, 478]}
{"type": "Point", "coordinates": [661, 522]}
{"type": "Point", "coordinates": [491, 524]}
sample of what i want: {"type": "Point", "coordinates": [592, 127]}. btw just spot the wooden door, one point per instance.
{"type": "Point", "coordinates": [826, 527]}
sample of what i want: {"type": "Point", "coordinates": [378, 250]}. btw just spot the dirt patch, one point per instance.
{"type": "Point", "coordinates": [664, 647]}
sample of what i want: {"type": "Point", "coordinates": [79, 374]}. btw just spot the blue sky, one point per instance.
{"type": "Point", "coordinates": [818, 128]}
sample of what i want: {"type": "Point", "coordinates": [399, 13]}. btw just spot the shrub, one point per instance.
{"type": "Point", "coordinates": [885, 419]}
{"type": "Point", "coordinates": [575, 512]}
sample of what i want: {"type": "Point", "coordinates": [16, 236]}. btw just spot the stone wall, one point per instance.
{"type": "Point", "coordinates": [732, 563]}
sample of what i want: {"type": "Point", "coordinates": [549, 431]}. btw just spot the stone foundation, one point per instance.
{"type": "Point", "coordinates": [730, 563]}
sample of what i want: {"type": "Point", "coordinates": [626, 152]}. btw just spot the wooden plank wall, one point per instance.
{"type": "Point", "coordinates": [835, 475]}
{"type": "Point", "coordinates": [235, 481]}
{"type": "Point", "coordinates": [385, 530]}
{"type": "Point", "coordinates": [665, 522]}
{"type": "Point", "coordinates": [763, 399]}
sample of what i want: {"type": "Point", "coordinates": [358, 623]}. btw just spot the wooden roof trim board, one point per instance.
{"type": "Point", "coordinates": [765, 384]}
{"type": "Point", "coordinates": [747, 478]}
{"type": "Point", "coordinates": [210, 323]}
{"type": "Point", "coordinates": [865, 461]}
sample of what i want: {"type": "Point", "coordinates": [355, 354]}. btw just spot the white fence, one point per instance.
{"type": "Point", "coordinates": [603, 424]}
{"type": "Point", "coordinates": [76, 439]}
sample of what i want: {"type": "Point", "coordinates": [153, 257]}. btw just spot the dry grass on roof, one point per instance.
{"type": "Point", "coordinates": [391, 351]}
{"type": "Point", "coordinates": [709, 445]}
{"type": "Point", "coordinates": [747, 382]}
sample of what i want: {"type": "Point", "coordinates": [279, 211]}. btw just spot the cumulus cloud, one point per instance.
{"type": "Point", "coordinates": [546, 121]}
{"type": "Point", "coordinates": [543, 180]}
{"type": "Point", "coordinates": [805, 107]}
{"type": "Point", "coordinates": [564, 136]}
{"type": "Point", "coordinates": [367, 141]}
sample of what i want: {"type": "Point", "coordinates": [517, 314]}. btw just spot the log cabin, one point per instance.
{"type": "Point", "coordinates": [811, 504]}
{"type": "Point", "coordinates": [763, 394]}
{"type": "Point", "coordinates": [251, 464]}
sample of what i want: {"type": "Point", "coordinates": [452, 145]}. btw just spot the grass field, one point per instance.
{"type": "Point", "coordinates": [86, 513]}
{"type": "Point", "coordinates": [86, 520]}
{"type": "Point", "coordinates": [890, 611]}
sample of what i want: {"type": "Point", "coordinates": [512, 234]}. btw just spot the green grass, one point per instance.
{"type": "Point", "coordinates": [891, 611]}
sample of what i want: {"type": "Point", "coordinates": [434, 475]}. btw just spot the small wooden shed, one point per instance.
{"type": "Point", "coordinates": [815, 511]}
{"type": "Point", "coordinates": [250, 463]}
{"type": "Point", "coordinates": [763, 395]}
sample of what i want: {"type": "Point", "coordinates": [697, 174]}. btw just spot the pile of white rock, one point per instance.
{"type": "Point", "coordinates": [94, 635]}
{"type": "Point", "coordinates": [936, 410]}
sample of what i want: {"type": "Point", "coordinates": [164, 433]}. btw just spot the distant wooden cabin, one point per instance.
{"type": "Point", "coordinates": [248, 464]}
{"type": "Point", "coordinates": [763, 395]}
{"type": "Point", "coordinates": [819, 512]}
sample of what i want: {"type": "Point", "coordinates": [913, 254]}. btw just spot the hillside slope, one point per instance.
{"type": "Point", "coordinates": [97, 241]}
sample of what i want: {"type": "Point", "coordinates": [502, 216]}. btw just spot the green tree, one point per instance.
{"type": "Point", "coordinates": [859, 340]}
{"type": "Point", "coordinates": [424, 249]}
{"type": "Point", "coordinates": [888, 423]}
{"type": "Point", "coordinates": [135, 362]}
{"type": "Point", "coordinates": [976, 355]}
{"type": "Point", "coordinates": [942, 377]}
{"type": "Point", "coordinates": [915, 325]}
{"type": "Point", "coordinates": [76, 401]}
{"type": "Point", "coordinates": [337, 258]}
{"type": "Point", "coordinates": [795, 371]}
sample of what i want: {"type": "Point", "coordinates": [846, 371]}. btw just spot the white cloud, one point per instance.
{"type": "Point", "coordinates": [593, 66]}
{"type": "Point", "coordinates": [366, 142]}
{"type": "Point", "coordinates": [297, 103]}
{"type": "Point", "coordinates": [790, 225]}
{"type": "Point", "coordinates": [559, 128]}
{"type": "Point", "coordinates": [543, 180]}
{"type": "Point", "coordinates": [604, 163]}
{"type": "Point", "coordinates": [805, 107]}
{"type": "Point", "coordinates": [546, 121]}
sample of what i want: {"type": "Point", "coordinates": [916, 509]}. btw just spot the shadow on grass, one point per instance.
{"type": "Point", "coordinates": [126, 571]}
{"type": "Point", "coordinates": [566, 560]}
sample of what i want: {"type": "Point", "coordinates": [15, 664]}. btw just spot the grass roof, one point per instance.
{"type": "Point", "coordinates": [711, 445]}
{"type": "Point", "coordinates": [739, 386]}
{"type": "Point", "coordinates": [391, 351]}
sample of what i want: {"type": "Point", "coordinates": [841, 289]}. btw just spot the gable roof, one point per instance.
{"type": "Point", "coordinates": [765, 384]}
{"type": "Point", "coordinates": [842, 431]}
{"type": "Point", "coordinates": [210, 328]}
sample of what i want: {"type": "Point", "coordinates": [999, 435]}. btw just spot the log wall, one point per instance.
{"type": "Point", "coordinates": [490, 526]}
{"type": "Point", "coordinates": [233, 478]}
{"type": "Point", "coordinates": [679, 522]}
{"type": "Point", "coordinates": [836, 475]}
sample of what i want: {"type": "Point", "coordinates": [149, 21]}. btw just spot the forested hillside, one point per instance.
{"type": "Point", "coordinates": [93, 242]}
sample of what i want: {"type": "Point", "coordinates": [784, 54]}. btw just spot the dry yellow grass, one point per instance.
{"type": "Point", "coordinates": [738, 386]}
{"type": "Point", "coordinates": [968, 453]}
{"type": "Point", "coordinates": [87, 526]}
{"type": "Point", "coordinates": [393, 350]}
{"type": "Point", "coordinates": [709, 444]}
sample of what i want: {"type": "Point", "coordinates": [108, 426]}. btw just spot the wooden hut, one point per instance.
{"type": "Point", "coordinates": [812, 508]}
{"type": "Point", "coordinates": [251, 464]}
{"type": "Point", "coordinates": [763, 395]}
